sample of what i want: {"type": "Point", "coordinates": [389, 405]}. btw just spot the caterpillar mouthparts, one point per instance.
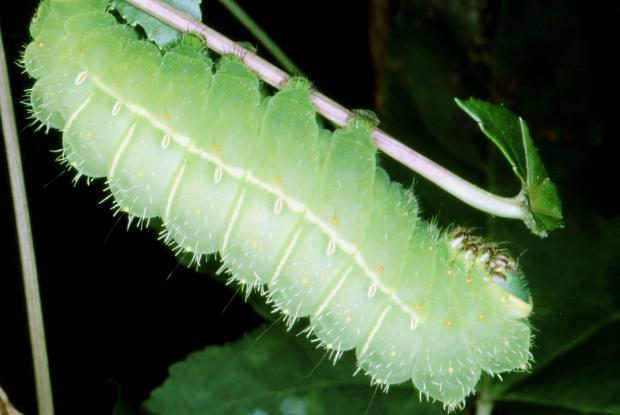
{"type": "Point", "coordinates": [298, 212]}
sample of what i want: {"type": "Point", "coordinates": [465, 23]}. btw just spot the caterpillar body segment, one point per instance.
{"type": "Point", "coordinates": [297, 211]}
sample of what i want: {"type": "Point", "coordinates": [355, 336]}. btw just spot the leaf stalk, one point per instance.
{"type": "Point", "coordinates": [514, 208]}
{"type": "Point", "coordinates": [26, 247]}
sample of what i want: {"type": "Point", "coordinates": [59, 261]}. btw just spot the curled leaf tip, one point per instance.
{"type": "Point", "coordinates": [511, 135]}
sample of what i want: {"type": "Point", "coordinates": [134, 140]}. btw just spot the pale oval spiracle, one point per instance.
{"type": "Point", "coordinates": [300, 212]}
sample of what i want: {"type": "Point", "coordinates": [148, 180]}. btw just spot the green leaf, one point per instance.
{"type": "Point", "coordinates": [273, 372]}
{"type": "Point", "coordinates": [583, 379]}
{"type": "Point", "coordinates": [511, 135]}
{"type": "Point", "coordinates": [157, 31]}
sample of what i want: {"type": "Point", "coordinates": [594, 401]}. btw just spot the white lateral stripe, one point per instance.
{"type": "Point", "coordinates": [374, 330]}
{"type": "Point", "coordinates": [287, 253]}
{"type": "Point", "coordinates": [79, 109]}
{"type": "Point", "coordinates": [293, 204]}
{"type": "Point", "coordinates": [121, 148]}
{"type": "Point", "coordinates": [173, 192]}
{"type": "Point", "coordinates": [333, 292]}
{"type": "Point", "coordinates": [233, 220]}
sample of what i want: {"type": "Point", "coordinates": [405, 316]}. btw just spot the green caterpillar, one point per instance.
{"type": "Point", "coordinates": [299, 212]}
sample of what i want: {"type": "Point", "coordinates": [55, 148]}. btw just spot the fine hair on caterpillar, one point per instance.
{"type": "Point", "coordinates": [296, 211]}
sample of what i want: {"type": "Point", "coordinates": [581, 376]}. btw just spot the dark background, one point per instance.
{"type": "Point", "coordinates": [118, 310]}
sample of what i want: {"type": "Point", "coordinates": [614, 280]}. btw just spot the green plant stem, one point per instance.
{"type": "Point", "coordinates": [469, 193]}
{"type": "Point", "coordinates": [261, 35]}
{"type": "Point", "coordinates": [484, 402]}
{"type": "Point", "coordinates": [484, 407]}
{"type": "Point", "coordinates": [26, 247]}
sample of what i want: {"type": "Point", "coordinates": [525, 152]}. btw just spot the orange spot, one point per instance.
{"type": "Point", "coordinates": [335, 222]}
{"type": "Point", "coordinates": [418, 306]}
{"type": "Point", "coordinates": [217, 149]}
{"type": "Point", "coordinates": [448, 323]}
{"type": "Point", "coordinates": [380, 269]}
{"type": "Point", "coordinates": [278, 180]}
{"type": "Point", "coordinates": [118, 84]}
{"type": "Point", "coordinates": [167, 116]}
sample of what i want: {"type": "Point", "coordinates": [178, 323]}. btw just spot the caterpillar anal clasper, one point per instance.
{"type": "Point", "coordinates": [297, 211]}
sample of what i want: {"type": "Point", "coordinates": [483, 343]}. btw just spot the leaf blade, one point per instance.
{"type": "Point", "coordinates": [156, 30]}
{"type": "Point", "coordinates": [270, 371]}
{"type": "Point", "coordinates": [568, 380]}
{"type": "Point", "coordinates": [512, 137]}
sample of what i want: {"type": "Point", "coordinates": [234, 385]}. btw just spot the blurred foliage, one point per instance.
{"type": "Point", "coordinates": [160, 33]}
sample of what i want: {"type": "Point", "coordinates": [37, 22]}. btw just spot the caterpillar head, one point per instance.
{"type": "Point", "coordinates": [501, 268]}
